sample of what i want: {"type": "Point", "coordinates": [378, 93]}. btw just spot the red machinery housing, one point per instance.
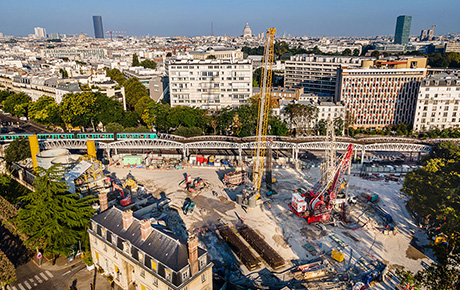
{"type": "Point", "coordinates": [316, 205]}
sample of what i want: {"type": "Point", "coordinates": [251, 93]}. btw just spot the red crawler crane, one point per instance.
{"type": "Point", "coordinates": [316, 205]}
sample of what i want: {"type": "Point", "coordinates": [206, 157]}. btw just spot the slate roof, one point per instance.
{"type": "Point", "coordinates": [165, 247]}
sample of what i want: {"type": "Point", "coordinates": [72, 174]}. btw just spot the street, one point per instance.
{"type": "Point", "coordinates": [30, 276]}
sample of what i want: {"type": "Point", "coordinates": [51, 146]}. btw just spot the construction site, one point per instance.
{"type": "Point", "coordinates": [312, 225]}
{"type": "Point", "coordinates": [309, 224]}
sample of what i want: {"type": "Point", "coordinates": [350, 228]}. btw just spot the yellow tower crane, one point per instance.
{"type": "Point", "coordinates": [264, 101]}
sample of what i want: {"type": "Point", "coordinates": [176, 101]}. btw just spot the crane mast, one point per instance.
{"type": "Point", "coordinates": [264, 107]}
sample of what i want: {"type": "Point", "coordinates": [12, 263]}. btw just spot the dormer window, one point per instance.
{"type": "Point", "coordinates": [167, 275]}
{"type": "Point", "coordinates": [126, 246]}
{"type": "Point", "coordinates": [185, 275]}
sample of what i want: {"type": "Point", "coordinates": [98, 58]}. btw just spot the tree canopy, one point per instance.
{"type": "Point", "coordinates": [18, 150]}
{"type": "Point", "coordinates": [53, 218]}
{"type": "Point", "coordinates": [432, 193]}
{"type": "Point", "coordinates": [45, 111]}
{"type": "Point", "coordinates": [134, 91]}
{"type": "Point", "coordinates": [17, 104]}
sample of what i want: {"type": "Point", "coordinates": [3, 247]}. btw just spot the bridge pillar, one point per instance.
{"type": "Point", "coordinates": [363, 152]}
{"type": "Point", "coordinates": [107, 150]}
{"type": "Point", "coordinates": [356, 154]}
{"type": "Point", "coordinates": [116, 151]}
{"type": "Point", "coordinates": [419, 155]}
{"type": "Point", "coordinates": [240, 154]}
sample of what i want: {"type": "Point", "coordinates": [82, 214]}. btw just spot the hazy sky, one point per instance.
{"type": "Point", "coordinates": [194, 17]}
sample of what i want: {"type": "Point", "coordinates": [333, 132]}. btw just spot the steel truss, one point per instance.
{"type": "Point", "coordinates": [313, 144]}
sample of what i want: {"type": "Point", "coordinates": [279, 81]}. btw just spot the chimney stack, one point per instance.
{"type": "Point", "coordinates": [127, 218]}
{"type": "Point", "coordinates": [146, 229]}
{"type": "Point", "coordinates": [193, 254]}
{"type": "Point", "coordinates": [103, 203]}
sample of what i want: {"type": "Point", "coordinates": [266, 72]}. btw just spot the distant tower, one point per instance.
{"type": "Point", "coordinates": [423, 35]}
{"type": "Point", "coordinates": [247, 32]}
{"type": "Point", "coordinates": [40, 32]}
{"type": "Point", "coordinates": [402, 29]}
{"type": "Point", "coordinates": [98, 30]}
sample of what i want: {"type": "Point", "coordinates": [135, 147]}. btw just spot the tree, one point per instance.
{"type": "Point", "coordinates": [157, 114]}
{"type": "Point", "coordinates": [130, 119]}
{"type": "Point", "coordinates": [188, 132]}
{"type": "Point", "coordinates": [224, 120]}
{"type": "Point", "coordinates": [53, 218]}
{"type": "Point", "coordinates": [64, 73]}
{"type": "Point", "coordinates": [147, 63]}
{"type": "Point", "coordinates": [281, 47]}
{"type": "Point", "coordinates": [7, 271]}
{"type": "Point", "coordinates": [135, 60]}
{"type": "Point", "coordinates": [134, 91]}
{"type": "Point", "coordinates": [107, 110]}
{"type": "Point", "coordinates": [247, 116]}
{"type": "Point", "coordinates": [445, 150]}
{"type": "Point", "coordinates": [211, 56]}
{"type": "Point", "coordinates": [45, 111]}
{"type": "Point", "coordinates": [114, 127]}
{"type": "Point", "coordinates": [301, 116]}
{"type": "Point", "coordinates": [17, 104]}
{"type": "Point", "coordinates": [18, 150]}
{"type": "Point", "coordinates": [4, 95]}
{"type": "Point", "coordinates": [78, 109]}
{"type": "Point", "coordinates": [355, 52]}
{"type": "Point", "coordinates": [277, 127]}
{"type": "Point", "coordinates": [347, 52]}
{"type": "Point", "coordinates": [116, 75]}
{"type": "Point", "coordinates": [142, 104]}
{"type": "Point", "coordinates": [321, 127]}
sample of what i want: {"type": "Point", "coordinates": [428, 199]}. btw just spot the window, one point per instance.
{"type": "Point", "coordinates": [109, 237]}
{"type": "Point", "coordinates": [115, 253]}
{"type": "Point", "coordinates": [203, 278]}
{"type": "Point", "coordinates": [184, 275]}
{"type": "Point", "coordinates": [155, 281]}
{"type": "Point", "coordinates": [203, 263]}
{"type": "Point", "coordinates": [105, 247]}
{"type": "Point", "coordinates": [142, 273]}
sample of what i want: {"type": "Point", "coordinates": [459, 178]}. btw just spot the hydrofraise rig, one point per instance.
{"type": "Point", "coordinates": [316, 205]}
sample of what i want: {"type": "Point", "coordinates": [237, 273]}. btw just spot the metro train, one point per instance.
{"type": "Point", "coordinates": [82, 136]}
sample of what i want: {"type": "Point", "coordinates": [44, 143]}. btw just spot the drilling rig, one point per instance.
{"type": "Point", "coordinates": [264, 100]}
{"type": "Point", "coordinates": [316, 205]}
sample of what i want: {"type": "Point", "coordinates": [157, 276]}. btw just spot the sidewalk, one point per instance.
{"type": "Point", "coordinates": [82, 281]}
{"type": "Point", "coordinates": [61, 263]}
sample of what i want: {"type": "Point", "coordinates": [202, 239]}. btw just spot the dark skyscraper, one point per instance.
{"type": "Point", "coordinates": [98, 30]}
{"type": "Point", "coordinates": [403, 29]}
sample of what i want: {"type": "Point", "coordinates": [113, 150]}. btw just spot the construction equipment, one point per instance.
{"type": "Point", "coordinates": [311, 270]}
{"type": "Point", "coordinates": [188, 206]}
{"type": "Point", "coordinates": [130, 184]}
{"type": "Point", "coordinates": [264, 101]}
{"type": "Point", "coordinates": [235, 178]}
{"type": "Point", "coordinates": [194, 185]}
{"type": "Point", "coordinates": [123, 199]}
{"type": "Point", "coordinates": [316, 205]}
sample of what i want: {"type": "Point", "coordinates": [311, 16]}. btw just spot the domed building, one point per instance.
{"type": "Point", "coordinates": [247, 32]}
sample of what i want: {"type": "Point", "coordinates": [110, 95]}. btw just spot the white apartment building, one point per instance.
{"type": "Point", "coordinates": [438, 103]}
{"type": "Point", "coordinates": [210, 84]}
{"type": "Point", "coordinates": [316, 73]}
{"type": "Point", "coordinates": [73, 53]}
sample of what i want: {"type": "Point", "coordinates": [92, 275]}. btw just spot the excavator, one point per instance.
{"type": "Point", "coordinates": [123, 199]}
{"type": "Point", "coordinates": [316, 205]}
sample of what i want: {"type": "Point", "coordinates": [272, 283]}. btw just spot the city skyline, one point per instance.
{"type": "Point", "coordinates": [183, 18]}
